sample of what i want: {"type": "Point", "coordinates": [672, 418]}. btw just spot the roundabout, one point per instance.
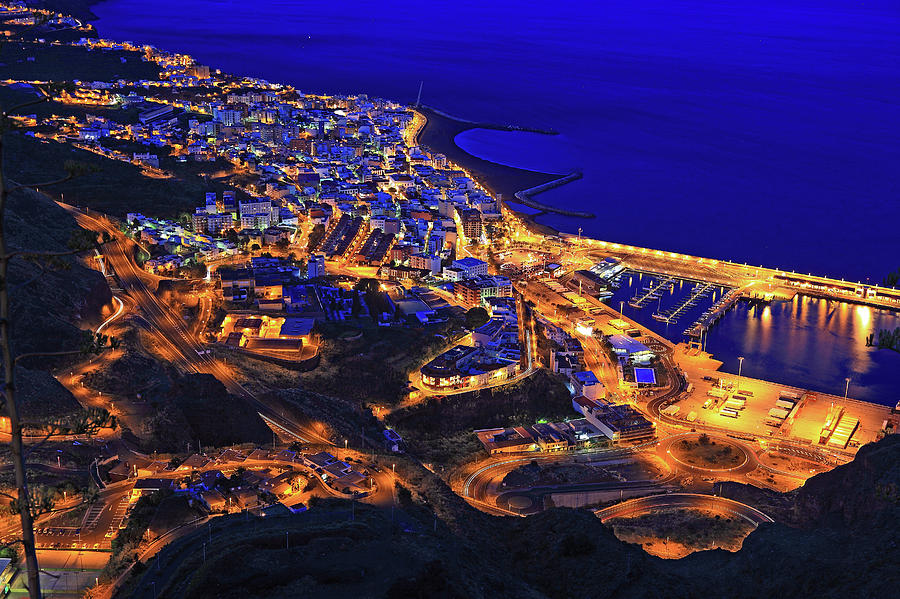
{"type": "Point", "coordinates": [701, 453]}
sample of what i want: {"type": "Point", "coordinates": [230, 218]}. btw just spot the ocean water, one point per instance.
{"type": "Point", "coordinates": [763, 132]}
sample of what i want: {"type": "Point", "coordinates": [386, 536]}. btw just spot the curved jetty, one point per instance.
{"type": "Point", "coordinates": [525, 196]}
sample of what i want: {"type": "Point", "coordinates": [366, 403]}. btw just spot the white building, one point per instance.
{"type": "Point", "coordinates": [471, 267]}
{"type": "Point", "coordinates": [316, 266]}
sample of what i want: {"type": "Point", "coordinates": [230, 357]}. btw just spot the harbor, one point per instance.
{"type": "Point", "coordinates": [781, 340]}
{"type": "Point", "coordinates": [792, 417]}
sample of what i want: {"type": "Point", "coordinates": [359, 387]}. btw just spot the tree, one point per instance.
{"type": "Point", "coordinates": [232, 236]}
{"type": "Point", "coordinates": [282, 243]}
{"type": "Point", "coordinates": [475, 317]}
{"type": "Point", "coordinates": [255, 247]}
{"type": "Point", "coordinates": [404, 495]}
{"type": "Point", "coordinates": [315, 237]}
{"type": "Point", "coordinates": [703, 439]}
{"type": "Point", "coordinates": [356, 306]}
{"type": "Point", "coordinates": [367, 285]}
{"type": "Point", "coordinates": [26, 503]}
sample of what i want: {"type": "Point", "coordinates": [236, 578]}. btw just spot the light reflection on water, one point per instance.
{"type": "Point", "coordinates": [806, 342]}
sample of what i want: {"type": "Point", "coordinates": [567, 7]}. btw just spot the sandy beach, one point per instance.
{"type": "Point", "coordinates": [438, 135]}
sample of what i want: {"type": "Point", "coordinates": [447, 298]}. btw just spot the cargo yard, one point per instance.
{"type": "Point", "coordinates": [766, 409]}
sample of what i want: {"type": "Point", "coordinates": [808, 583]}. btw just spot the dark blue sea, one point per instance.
{"type": "Point", "coordinates": [765, 132]}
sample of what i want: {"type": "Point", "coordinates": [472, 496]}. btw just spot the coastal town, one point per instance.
{"type": "Point", "coordinates": [328, 249]}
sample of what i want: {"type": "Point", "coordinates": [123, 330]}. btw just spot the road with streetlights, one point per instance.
{"type": "Point", "coordinates": [178, 345]}
{"type": "Point", "coordinates": [720, 505]}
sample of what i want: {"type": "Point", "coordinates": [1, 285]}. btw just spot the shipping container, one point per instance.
{"type": "Point", "coordinates": [779, 413]}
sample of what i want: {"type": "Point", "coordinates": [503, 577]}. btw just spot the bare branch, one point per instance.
{"type": "Point", "coordinates": [18, 107]}
{"type": "Point", "coordinates": [36, 254]}
{"type": "Point", "coordinates": [40, 273]}
{"type": "Point", "coordinates": [86, 422]}
{"type": "Point", "coordinates": [19, 186]}
{"type": "Point", "coordinates": [49, 354]}
{"type": "Point", "coordinates": [37, 444]}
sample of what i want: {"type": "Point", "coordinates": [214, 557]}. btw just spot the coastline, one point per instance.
{"type": "Point", "coordinates": [80, 9]}
{"type": "Point", "coordinates": [513, 185]}
{"type": "Point", "coordinates": [509, 183]}
{"type": "Point", "coordinates": [482, 124]}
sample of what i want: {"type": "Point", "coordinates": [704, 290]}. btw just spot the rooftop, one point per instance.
{"type": "Point", "coordinates": [627, 344]}
{"type": "Point", "coordinates": [645, 376]}
{"type": "Point", "coordinates": [297, 327]}
{"type": "Point", "coordinates": [468, 262]}
{"type": "Point", "coordinates": [586, 377]}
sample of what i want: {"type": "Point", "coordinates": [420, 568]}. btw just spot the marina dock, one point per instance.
{"type": "Point", "coordinates": [711, 316]}
{"type": "Point", "coordinates": [651, 292]}
{"type": "Point", "coordinates": [700, 291]}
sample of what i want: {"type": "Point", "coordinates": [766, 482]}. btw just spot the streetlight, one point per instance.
{"type": "Point", "coordinates": [846, 386]}
{"type": "Point", "coordinates": [740, 367]}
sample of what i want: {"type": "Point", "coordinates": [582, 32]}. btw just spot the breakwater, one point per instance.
{"type": "Point", "coordinates": [526, 196]}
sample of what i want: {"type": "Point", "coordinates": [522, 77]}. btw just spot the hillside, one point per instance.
{"type": "Point", "coordinates": [115, 188]}
{"type": "Point", "coordinates": [46, 310]}
{"type": "Point", "coordinates": [42, 397]}
{"type": "Point", "coordinates": [47, 307]}
{"type": "Point", "coordinates": [182, 408]}
{"type": "Point", "coordinates": [848, 545]}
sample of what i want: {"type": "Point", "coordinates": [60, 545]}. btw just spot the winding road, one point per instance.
{"type": "Point", "coordinates": [721, 505]}
{"type": "Point", "coordinates": [178, 344]}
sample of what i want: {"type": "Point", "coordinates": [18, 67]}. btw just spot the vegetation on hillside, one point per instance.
{"type": "Point", "coordinates": [439, 429]}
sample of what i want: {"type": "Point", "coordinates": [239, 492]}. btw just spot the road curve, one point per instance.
{"type": "Point", "coordinates": [114, 316]}
{"type": "Point", "coordinates": [642, 505]}
{"type": "Point", "coordinates": [183, 349]}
